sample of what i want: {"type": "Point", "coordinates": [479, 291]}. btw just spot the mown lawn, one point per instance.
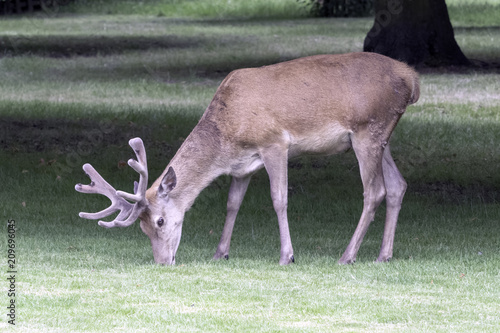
{"type": "Point", "coordinates": [76, 87]}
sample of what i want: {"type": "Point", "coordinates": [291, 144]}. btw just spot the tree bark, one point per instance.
{"type": "Point", "coordinates": [418, 32]}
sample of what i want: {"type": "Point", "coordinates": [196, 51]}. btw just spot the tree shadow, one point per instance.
{"type": "Point", "coordinates": [63, 46]}
{"type": "Point", "coordinates": [147, 48]}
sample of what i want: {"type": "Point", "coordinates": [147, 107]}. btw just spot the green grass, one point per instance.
{"type": "Point", "coordinates": [75, 88]}
{"type": "Point", "coordinates": [462, 12]}
{"type": "Point", "coordinates": [478, 13]}
{"type": "Point", "coordinates": [220, 9]}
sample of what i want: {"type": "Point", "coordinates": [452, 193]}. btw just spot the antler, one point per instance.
{"type": "Point", "coordinates": [129, 212]}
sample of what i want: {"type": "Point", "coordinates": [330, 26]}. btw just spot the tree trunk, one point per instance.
{"type": "Point", "coordinates": [418, 32]}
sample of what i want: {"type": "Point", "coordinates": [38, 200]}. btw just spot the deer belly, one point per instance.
{"type": "Point", "coordinates": [327, 141]}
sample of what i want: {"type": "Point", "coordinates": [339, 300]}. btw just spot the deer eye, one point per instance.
{"type": "Point", "coordinates": [160, 221]}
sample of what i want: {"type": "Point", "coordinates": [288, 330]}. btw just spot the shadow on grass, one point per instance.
{"type": "Point", "coordinates": [89, 135]}
{"type": "Point", "coordinates": [63, 46]}
{"type": "Point", "coordinates": [444, 169]}
{"type": "Point", "coordinates": [67, 46]}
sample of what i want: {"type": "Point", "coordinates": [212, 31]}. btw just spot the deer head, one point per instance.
{"type": "Point", "coordinates": [160, 220]}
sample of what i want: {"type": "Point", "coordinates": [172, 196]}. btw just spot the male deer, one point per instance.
{"type": "Point", "coordinates": [261, 117]}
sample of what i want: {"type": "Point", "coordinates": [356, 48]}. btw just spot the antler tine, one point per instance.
{"type": "Point", "coordinates": [141, 166]}
{"type": "Point", "coordinates": [136, 211]}
{"type": "Point", "coordinates": [100, 186]}
{"type": "Point", "coordinates": [129, 212]}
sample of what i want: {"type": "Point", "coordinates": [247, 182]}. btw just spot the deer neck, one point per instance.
{"type": "Point", "coordinates": [199, 160]}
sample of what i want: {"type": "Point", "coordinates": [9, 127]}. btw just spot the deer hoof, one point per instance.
{"type": "Point", "coordinates": [218, 256]}
{"type": "Point", "coordinates": [379, 259]}
{"type": "Point", "coordinates": [286, 261]}
{"type": "Point", "coordinates": [343, 261]}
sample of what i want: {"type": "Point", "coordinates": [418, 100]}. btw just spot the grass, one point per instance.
{"type": "Point", "coordinates": [218, 9]}
{"type": "Point", "coordinates": [473, 13]}
{"type": "Point", "coordinates": [75, 88]}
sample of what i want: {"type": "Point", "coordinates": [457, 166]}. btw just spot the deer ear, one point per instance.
{"type": "Point", "coordinates": [167, 183]}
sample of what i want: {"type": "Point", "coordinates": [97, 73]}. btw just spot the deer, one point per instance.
{"type": "Point", "coordinates": [260, 118]}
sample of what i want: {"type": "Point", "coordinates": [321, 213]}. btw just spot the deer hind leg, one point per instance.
{"type": "Point", "coordinates": [396, 187]}
{"type": "Point", "coordinates": [369, 155]}
{"type": "Point", "coordinates": [275, 160]}
{"type": "Point", "coordinates": [237, 192]}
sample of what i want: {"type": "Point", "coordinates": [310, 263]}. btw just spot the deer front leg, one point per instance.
{"type": "Point", "coordinates": [275, 160]}
{"type": "Point", "coordinates": [396, 187]}
{"type": "Point", "coordinates": [237, 192]}
{"type": "Point", "coordinates": [370, 165]}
